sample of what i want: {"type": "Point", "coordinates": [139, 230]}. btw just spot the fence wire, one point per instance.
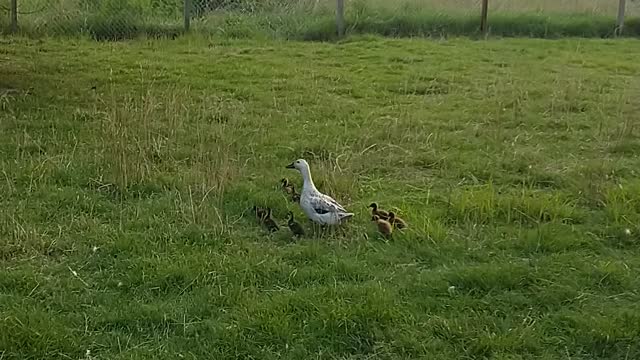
{"type": "Point", "coordinates": [102, 19]}
{"type": "Point", "coordinates": [308, 19]}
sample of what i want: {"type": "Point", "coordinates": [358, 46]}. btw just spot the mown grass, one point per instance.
{"type": "Point", "coordinates": [315, 19]}
{"type": "Point", "coordinates": [127, 170]}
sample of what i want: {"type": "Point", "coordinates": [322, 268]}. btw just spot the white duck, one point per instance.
{"type": "Point", "coordinates": [318, 207]}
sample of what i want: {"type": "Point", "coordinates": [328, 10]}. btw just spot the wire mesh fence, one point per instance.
{"type": "Point", "coordinates": [316, 19]}
{"type": "Point", "coordinates": [99, 18]}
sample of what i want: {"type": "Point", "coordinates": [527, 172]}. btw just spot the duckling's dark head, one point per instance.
{"type": "Point", "coordinates": [391, 215]}
{"type": "Point", "coordinates": [374, 206]}
{"type": "Point", "coordinates": [284, 181]}
{"type": "Point", "coordinates": [375, 218]}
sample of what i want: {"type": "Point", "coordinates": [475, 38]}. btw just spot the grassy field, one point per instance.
{"type": "Point", "coordinates": [127, 170]}
{"type": "Point", "coordinates": [315, 19]}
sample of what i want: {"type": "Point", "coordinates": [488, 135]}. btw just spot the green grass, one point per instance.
{"type": "Point", "coordinates": [124, 227]}
{"type": "Point", "coordinates": [315, 19]}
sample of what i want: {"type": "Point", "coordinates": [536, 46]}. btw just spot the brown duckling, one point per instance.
{"type": "Point", "coordinates": [384, 227]}
{"type": "Point", "coordinates": [396, 221]}
{"type": "Point", "coordinates": [380, 213]}
{"type": "Point", "coordinates": [294, 226]}
{"type": "Point", "coordinates": [287, 186]}
{"type": "Point", "coordinates": [260, 212]}
{"type": "Point", "coordinates": [268, 221]}
{"type": "Point", "coordinates": [290, 189]}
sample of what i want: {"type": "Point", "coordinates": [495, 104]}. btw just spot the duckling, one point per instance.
{"type": "Point", "coordinates": [290, 189]}
{"type": "Point", "coordinates": [295, 197]}
{"type": "Point", "coordinates": [259, 212]}
{"type": "Point", "coordinates": [396, 221]}
{"type": "Point", "coordinates": [287, 186]}
{"type": "Point", "coordinates": [268, 221]}
{"type": "Point", "coordinates": [294, 226]}
{"type": "Point", "coordinates": [381, 213]}
{"type": "Point", "coordinates": [384, 227]}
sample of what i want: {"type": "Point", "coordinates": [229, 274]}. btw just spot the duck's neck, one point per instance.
{"type": "Point", "coordinates": [307, 181]}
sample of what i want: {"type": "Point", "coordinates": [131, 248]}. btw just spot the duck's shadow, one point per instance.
{"type": "Point", "coordinates": [347, 233]}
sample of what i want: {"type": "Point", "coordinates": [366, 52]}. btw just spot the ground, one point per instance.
{"type": "Point", "coordinates": [128, 170]}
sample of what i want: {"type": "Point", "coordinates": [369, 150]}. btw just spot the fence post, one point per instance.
{"type": "Point", "coordinates": [483, 16]}
{"type": "Point", "coordinates": [14, 16]}
{"type": "Point", "coordinates": [620, 21]}
{"type": "Point", "coordinates": [187, 15]}
{"type": "Point", "coordinates": [340, 17]}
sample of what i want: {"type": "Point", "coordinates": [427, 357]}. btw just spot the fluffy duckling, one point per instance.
{"type": "Point", "coordinates": [290, 189]}
{"type": "Point", "coordinates": [384, 227]}
{"type": "Point", "coordinates": [259, 212]}
{"type": "Point", "coordinates": [294, 226]}
{"type": "Point", "coordinates": [268, 221]}
{"type": "Point", "coordinates": [380, 213]}
{"type": "Point", "coordinates": [396, 221]}
{"type": "Point", "coordinates": [287, 186]}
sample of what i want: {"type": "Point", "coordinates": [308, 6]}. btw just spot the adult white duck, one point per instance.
{"type": "Point", "coordinates": [318, 207]}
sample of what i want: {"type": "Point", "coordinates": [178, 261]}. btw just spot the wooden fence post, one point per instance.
{"type": "Point", "coordinates": [620, 21]}
{"type": "Point", "coordinates": [483, 16]}
{"type": "Point", "coordinates": [340, 17]}
{"type": "Point", "coordinates": [187, 15]}
{"type": "Point", "coordinates": [14, 16]}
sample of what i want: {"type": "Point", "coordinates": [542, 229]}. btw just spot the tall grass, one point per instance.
{"type": "Point", "coordinates": [314, 19]}
{"type": "Point", "coordinates": [126, 173]}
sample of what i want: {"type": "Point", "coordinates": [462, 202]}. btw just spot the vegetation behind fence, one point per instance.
{"type": "Point", "coordinates": [316, 19]}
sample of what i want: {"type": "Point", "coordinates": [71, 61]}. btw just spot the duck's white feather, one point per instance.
{"type": "Point", "coordinates": [318, 207]}
{"type": "Point", "coordinates": [322, 203]}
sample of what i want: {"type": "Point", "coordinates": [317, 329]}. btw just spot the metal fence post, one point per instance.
{"type": "Point", "coordinates": [340, 17]}
{"type": "Point", "coordinates": [14, 16]}
{"type": "Point", "coordinates": [187, 15]}
{"type": "Point", "coordinates": [483, 16]}
{"type": "Point", "coordinates": [620, 21]}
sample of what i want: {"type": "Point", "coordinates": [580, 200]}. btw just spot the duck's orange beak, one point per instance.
{"type": "Point", "coordinates": [290, 166]}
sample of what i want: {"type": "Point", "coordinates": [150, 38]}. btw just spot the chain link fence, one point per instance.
{"type": "Point", "coordinates": [101, 19]}
{"type": "Point", "coordinates": [316, 19]}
